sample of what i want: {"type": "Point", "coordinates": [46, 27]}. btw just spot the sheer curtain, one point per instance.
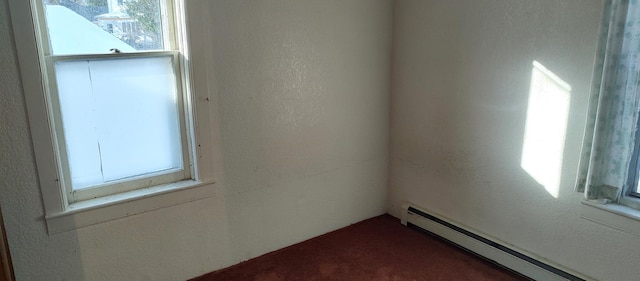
{"type": "Point", "coordinates": [613, 107]}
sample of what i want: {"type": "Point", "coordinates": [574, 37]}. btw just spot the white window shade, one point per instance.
{"type": "Point", "coordinates": [120, 118]}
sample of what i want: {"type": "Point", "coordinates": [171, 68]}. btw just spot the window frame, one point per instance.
{"type": "Point", "coordinates": [127, 184]}
{"type": "Point", "coordinates": [170, 49]}
{"type": "Point", "coordinates": [60, 214]}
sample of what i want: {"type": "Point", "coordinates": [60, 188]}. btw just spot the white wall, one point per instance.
{"type": "Point", "coordinates": [460, 89]}
{"type": "Point", "coordinates": [301, 93]}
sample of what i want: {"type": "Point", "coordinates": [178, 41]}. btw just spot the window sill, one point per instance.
{"type": "Point", "coordinates": [112, 207]}
{"type": "Point", "coordinates": [616, 216]}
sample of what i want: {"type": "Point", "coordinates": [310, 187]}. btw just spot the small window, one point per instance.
{"type": "Point", "coordinates": [116, 102]}
{"type": "Point", "coordinates": [116, 127]}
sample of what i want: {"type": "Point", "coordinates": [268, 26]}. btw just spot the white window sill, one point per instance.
{"type": "Point", "coordinates": [108, 208]}
{"type": "Point", "coordinates": [616, 216]}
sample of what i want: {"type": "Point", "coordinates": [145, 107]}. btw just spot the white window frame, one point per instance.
{"type": "Point", "coordinates": [60, 214]}
{"type": "Point", "coordinates": [131, 183]}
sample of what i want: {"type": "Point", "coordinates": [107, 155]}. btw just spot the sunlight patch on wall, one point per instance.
{"type": "Point", "coordinates": [545, 128]}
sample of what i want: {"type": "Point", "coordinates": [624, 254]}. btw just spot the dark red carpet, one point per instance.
{"type": "Point", "coordinates": [376, 249]}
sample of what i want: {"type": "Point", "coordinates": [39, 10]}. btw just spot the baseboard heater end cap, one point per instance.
{"type": "Point", "coordinates": [405, 212]}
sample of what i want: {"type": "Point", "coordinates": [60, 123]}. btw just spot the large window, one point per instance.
{"type": "Point", "coordinates": [114, 118]}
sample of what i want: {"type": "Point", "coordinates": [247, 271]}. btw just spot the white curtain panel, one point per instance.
{"type": "Point", "coordinates": [613, 108]}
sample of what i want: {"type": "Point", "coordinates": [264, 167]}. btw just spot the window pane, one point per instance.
{"type": "Point", "coordinates": [120, 118]}
{"type": "Point", "coordinates": [97, 26]}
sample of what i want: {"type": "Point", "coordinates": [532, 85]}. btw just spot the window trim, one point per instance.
{"type": "Point", "coordinates": [59, 214]}
{"type": "Point", "coordinates": [616, 216]}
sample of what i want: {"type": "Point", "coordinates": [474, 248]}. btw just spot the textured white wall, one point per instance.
{"type": "Point", "coordinates": [301, 93]}
{"type": "Point", "coordinates": [460, 87]}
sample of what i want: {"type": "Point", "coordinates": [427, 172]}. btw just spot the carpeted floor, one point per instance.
{"type": "Point", "coordinates": [376, 249]}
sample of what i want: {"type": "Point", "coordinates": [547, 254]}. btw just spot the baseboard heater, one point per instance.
{"type": "Point", "coordinates": [484, 246]}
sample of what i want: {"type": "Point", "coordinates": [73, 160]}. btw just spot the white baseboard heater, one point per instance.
{"type": "Point", "coordinates": [486, 247]}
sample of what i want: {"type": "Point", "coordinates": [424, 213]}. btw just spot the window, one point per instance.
{"type": "Point", "coordinates": [609, 168]}
{"type": "Point", "coordinates": [116, 107]}
{"type": "Point", "coordinates": [113, 115]}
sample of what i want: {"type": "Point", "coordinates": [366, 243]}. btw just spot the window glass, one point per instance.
{"type": "Point", "coordinates": [120, 118]}
{"type": "Point", "coordinates": [99, 26]}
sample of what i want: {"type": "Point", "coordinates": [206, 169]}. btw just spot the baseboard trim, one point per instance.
{"type": "Point", "coordinates": [485, 246]}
